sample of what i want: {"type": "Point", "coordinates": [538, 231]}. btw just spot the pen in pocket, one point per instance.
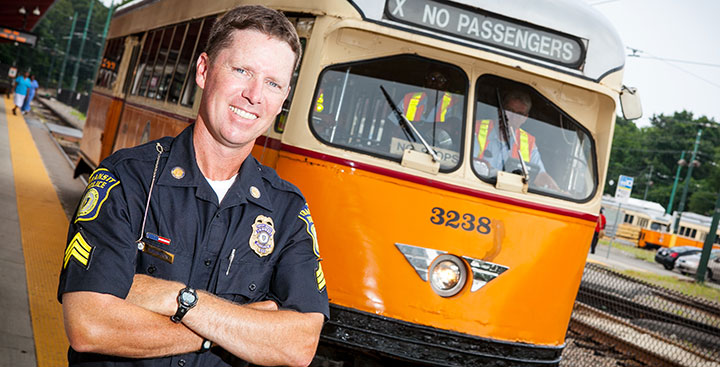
{"type": "Point", "coordinates": [232, 256]}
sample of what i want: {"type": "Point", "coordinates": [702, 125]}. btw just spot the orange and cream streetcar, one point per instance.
{"type": "Point", "coordinates": [437, 251]}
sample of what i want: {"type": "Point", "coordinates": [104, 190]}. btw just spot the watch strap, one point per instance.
{"type": "Point", "coordinates": [205, 346]}
{"type": "Point", "coordinates": [179, 314]}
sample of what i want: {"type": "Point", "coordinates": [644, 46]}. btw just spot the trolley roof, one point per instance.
{"type": "Point", "coordinates": [504, 22]}
{"type": "Point", "coordinates": [565, 35]}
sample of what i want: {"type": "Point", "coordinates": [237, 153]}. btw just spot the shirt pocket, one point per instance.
{"type": "Point", "coordinates": [154, 266]}
{"type": "Point", "coordinates": [244, 282]}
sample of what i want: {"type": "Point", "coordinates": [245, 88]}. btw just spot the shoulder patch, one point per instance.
{"type": "Point", "coordinates": [310, 227]}
{"type": "Point", "coordinates": [80, 250]}
{"type": "Point", "coordinates": [96, 192]}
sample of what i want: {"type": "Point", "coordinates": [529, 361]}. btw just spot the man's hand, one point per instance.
{"type": "Point", "coordinates": [160, 296]}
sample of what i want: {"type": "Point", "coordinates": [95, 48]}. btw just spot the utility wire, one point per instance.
{"type": "Point", "coordinates": [603, 2]}
{"type": "Point", "coordinates": [639, 54]}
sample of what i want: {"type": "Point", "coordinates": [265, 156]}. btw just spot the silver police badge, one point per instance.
{"type": "Point", "coordinates": [261, 240]}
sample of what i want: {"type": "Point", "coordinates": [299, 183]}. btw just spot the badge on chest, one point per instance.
{"type": "Point", "coordinates": [261, 239]}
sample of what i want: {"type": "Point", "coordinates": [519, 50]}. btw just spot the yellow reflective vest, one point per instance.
{"type": "Point", "coordinates": [522, 137]}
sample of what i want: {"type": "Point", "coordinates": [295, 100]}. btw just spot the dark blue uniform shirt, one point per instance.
{"type": "Point", "coordinates": [215, 247]}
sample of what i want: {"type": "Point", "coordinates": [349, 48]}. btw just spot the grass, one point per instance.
{"type": "Point", "coordinates": [639, 253]}
{"type": "Point", "coordinates": [78, 114]}
{"type": "Point", "coordinates": [684, 286]}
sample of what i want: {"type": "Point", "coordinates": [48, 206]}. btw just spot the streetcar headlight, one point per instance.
{"type": "Point", "coordinates": [447, 275]}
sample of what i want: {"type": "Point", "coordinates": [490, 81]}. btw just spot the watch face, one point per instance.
{"type": "Point", "coordinates": [187, 298]}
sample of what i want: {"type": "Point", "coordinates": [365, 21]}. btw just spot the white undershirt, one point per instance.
{"type": "Point", "coordinates": [221, 187]}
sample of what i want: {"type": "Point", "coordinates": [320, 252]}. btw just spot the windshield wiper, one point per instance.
{"type": "Point", "coordinates": [410, 130]}
{"type": "Point", "coordinates": [509, 131]}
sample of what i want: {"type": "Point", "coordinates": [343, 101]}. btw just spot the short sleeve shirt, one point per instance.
{"type": "Point", "coordinates": [21, 85]}
{"type": "Point", "coordinates": [258, 244]}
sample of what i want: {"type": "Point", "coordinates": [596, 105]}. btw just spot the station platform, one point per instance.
{"type": "Point", "coordinates": [37, 197]}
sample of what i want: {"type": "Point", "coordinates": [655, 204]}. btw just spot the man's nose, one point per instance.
{"type": "Point", "coordinates": [254, 90]}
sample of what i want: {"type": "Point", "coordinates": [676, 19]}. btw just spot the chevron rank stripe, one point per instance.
{"type": "Point", "coordinates": [320, 278]}
{"type": "Point", "coordinates": [80, 250]}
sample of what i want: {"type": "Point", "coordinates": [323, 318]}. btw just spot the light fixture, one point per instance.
{"type": "Point", "coordinates": [36, 11]}
{"type": "Point", "coordinates": [447, 275]}
{"type": "Point", "coordinates": [22, 10]}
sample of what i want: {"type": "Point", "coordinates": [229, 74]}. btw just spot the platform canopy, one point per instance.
{"type": "Point", "coordinates": [11, 14]}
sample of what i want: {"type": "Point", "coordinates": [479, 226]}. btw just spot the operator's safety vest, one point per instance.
{"type": "Point", "coordinates": [527, 141]}
{"type": "Point", "coordinates": [415, 103]}
{"type": "Point", "coordinates": [319, 102]}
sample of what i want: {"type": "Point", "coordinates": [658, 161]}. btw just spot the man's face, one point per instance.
{"type": "Point", "coordinates": [244, 87]}
{"type": "Point", "coordinates": [436, 80]}
{"type": "Point", "coordinates": [517, 112]}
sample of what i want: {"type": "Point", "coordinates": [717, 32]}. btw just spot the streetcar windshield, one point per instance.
{"type": "Point", "coordinates": [517, 130]}
{"type": "Point", "coordinates": [350, 110]}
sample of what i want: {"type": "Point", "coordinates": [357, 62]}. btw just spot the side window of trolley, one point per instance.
{"type": "Point", "coordinates": [166, 67]}
{"type": "Point", "coordinates": [516, 129]}
{"type": "Point", "coordinates": [351, 111]}
{"type": "Point", "coordinates": [108, 72]}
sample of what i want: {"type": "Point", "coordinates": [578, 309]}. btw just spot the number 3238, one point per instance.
{"type": "Point", "coordinates": [466, 221]}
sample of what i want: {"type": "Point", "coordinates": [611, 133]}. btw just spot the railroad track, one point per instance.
{"type": "Point", "coordinates": [650, 324]}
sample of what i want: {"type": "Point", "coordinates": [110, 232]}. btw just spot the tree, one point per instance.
{"type": "Point", "coordinates": [635, 149]}
{"type": "Point", "coordinates": [44, 60]}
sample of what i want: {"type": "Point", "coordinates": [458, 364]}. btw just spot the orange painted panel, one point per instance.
{"type": "Point", "coordinates": [664, 239]}
{"type": "Point", "coordinates": [360, 215]}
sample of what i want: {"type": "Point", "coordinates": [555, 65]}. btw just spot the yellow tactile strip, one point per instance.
{"type": "Point", "coordinates": [43, 228]}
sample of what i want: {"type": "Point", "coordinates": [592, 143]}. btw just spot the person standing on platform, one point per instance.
{"type": "Point", "coordinates": [21, 85]}
{"type": "Point", "coordinates": [599, 230]}
{"type": "Point", "coordinates": [186, 251]}
{"type": "Point", "coordinates": [30, 94]}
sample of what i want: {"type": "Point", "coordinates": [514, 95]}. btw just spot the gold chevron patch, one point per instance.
{"type": "Point", "coordinates": [320, 278]}
{"type": "Point", "coordinates": [78, 249]}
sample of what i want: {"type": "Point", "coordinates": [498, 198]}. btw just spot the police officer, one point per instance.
{"type": "Point", "coordinates": [188, 252]}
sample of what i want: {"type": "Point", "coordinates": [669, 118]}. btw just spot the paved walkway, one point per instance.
{"type": "Point", "coordinates": [33, 222]}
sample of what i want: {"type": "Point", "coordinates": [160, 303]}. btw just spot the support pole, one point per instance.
{"type": "Point", "coordinates": [647, 183]}
{"type": "Point", "coordinates": [677, 177]}
{"type": "Point", "coordinates": [74, 80]}
{"type": "Point", "coordinates": [681, 207]}
{"type": "Point", "coordinates": [67, 52]}
{"type": "Point", "coordinates": [102, 40]}
{"type": "Point", "coordinates": [709, 241]}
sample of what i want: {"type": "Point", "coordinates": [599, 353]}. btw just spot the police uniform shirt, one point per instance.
{"type": "Point", "coordinates": [258, 244]}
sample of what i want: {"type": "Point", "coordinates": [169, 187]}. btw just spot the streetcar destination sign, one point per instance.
{"type": "Point", "coordinates": [487, 28]}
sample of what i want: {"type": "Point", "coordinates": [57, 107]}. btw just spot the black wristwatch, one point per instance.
{"type": "Point", "coordinates": [187, 299]}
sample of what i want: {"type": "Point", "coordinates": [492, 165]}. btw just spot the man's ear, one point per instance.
{"type": "Point", "coordinates": [201, 69]}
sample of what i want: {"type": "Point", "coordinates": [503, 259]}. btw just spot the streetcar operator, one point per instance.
{"type": "Point", "coordinates": [491, 148]}
{"type": "Point", "coordinates": [186, 251]}
{"type": "Point", "coordinates": [432, 110]}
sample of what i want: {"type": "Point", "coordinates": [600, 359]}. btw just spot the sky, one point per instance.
{"type": "Point", "coordinates": [685, 30]}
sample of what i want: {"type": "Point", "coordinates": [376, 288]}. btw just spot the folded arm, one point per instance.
{"type": "Point", "coordinates": [258, 333]}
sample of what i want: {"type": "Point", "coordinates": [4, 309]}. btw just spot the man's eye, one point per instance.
{"type": "Point", "coordinates": [241, 71]}
{"type": "Point", "coordinates": [274, 85]}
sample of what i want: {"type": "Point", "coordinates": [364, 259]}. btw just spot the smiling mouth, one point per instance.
{"type": "Point", "coordinates": [243, 114]}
